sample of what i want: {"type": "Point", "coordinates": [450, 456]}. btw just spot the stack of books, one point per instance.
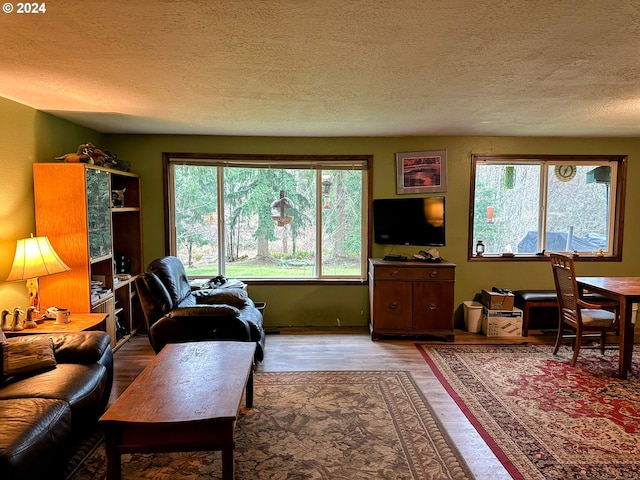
{"type": "Point", "coordinates": [98, 290]}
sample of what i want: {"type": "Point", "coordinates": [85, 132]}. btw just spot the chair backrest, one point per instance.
{"type": "Point", "coordinates": [170, 271]}
{"type": "Point", "coordinates": [566, 286]}
{"type": "Point", "coordinates": [163, 287]}
{"type": "Point", "coordinates": [151, 309]}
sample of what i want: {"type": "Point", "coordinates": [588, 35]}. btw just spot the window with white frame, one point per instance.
{"type": "Point", "coordinates": [523, 206]}
{"type": "Point", "coordinates": [269, 217]}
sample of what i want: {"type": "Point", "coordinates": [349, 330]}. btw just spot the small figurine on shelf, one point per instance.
{"type": "Point", "coordinates": [110, 160]}
{"type": "Point", "coordinates": [17, 324]}
{"type": "Point", "coordinates": [89, 153]}
{"type": "Point", "coordinates": [5, 325]}
{"type": "Point", "coordinates": [82, 155]}
{"type": "Point", "coordinates": [432, 255]}
{"type": "Point", "coordinates": [116, 163]}
{"type": "Point", "coordinates": [29, 322]}
{"type": "Point", "coordinates": [117, 197]}
{"type": "Point", "coordinates": [97, 156]}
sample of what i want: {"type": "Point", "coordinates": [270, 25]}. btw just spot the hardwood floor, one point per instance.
{"type": "Point", "coordinates": [303, 349]}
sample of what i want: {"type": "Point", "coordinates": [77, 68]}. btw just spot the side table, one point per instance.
{"type": "Point", "coordinates": [79, 322]}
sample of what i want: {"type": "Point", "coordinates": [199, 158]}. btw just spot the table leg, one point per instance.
{"type": "Point", "coordinates": [249, 390]}
{"type": "Point", "coordinates": [626, 338]}
{"type": "Point", "coordinates": [228, 445]}
{"type": "Point", "coordinates": [114, 465]}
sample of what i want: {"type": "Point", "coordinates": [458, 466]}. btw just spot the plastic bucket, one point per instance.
{"type": "Point", "coordinates": [261, 306]}
{"type": "Point", "coordinates": [472, 316]}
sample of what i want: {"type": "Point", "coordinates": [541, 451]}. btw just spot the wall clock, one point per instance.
{"type": "Point", "coordinates": [565, 173]}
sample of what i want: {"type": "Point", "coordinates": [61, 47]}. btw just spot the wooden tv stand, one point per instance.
{"type": "Point", "coordinates": [411, 298]}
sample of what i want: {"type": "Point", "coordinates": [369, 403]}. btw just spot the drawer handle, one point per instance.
{"type": "Point", "coordinates": [393, 305]}
{"type": "Point", "coordinates": [432, 306]}
{"type": "Point", "coordinates": [395, 273]}
{"type": "Point", "coordinates": [433, 274]}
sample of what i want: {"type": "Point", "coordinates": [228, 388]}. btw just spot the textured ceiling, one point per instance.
{"type": "Point", "coordinates": [330, 67]}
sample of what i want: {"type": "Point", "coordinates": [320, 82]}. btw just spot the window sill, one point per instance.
{"type": "Point", "coordinates": [539, 258]}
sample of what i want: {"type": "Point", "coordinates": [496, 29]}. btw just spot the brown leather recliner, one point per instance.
{"type": "Point", "coordinates": [175, 314]}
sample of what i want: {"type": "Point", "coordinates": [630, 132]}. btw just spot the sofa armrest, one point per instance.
{"type": "Point", "coordinates": [81, 347]}
{"type": "Point", "coordinates": [199, 323]}
{"type": "Point", "coordinates": [205, 311]}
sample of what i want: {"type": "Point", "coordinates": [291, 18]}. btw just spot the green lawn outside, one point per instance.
{"type": "Point", "coordinates": [245, 270]}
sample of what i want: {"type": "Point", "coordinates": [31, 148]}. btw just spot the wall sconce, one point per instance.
{"type": "Point", "coordinates": [35, 257]}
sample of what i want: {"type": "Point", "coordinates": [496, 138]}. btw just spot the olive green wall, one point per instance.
{"type": "Point", "coordinates": [28, 136]}
{"type": "Point", "coordinates": [325, 304]}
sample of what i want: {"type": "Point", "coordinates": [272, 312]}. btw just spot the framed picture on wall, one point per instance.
{"type": "Point", "coordinates": [421, 172]}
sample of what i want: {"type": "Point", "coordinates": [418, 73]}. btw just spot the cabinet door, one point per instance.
{"type": "Point", "coordinates": [432, 305]}
{"type": "Point", "coordinates": [98, 213]}
{"type": "Point", "coordinates": [392, 306]}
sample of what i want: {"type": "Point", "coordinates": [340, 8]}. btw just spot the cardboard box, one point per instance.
{"type": "Point", "coordinates": [501, 323]}
{"type": "Point", "coordinates": [497, 301]}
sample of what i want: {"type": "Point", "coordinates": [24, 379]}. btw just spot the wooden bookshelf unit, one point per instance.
{"type": "Point", "coordinates": [73, 207]}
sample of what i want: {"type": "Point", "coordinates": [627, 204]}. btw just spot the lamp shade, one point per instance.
{"type": "Point", "coordinates": [35, 257]}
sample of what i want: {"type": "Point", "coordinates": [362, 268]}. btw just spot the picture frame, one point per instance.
{"type": "Point", "coordinates": [421, 172]}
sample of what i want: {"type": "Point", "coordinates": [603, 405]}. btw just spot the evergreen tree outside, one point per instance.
{"type": "Point", "coordinates": [254, 244]}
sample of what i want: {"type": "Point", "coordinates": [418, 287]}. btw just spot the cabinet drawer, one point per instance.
{"type": "Point", "coordinates": [423, 273]}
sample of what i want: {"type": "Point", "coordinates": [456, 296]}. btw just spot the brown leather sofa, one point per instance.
{"type": "Point", "coordinates": [174, 313]}
{"type": "Point", "coordinates": [43, 413]}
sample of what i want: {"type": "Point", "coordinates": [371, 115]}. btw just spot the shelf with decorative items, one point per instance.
{"type": "Point", "coordinates": [92, 217]}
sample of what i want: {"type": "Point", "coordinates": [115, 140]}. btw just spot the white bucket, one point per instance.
{"type": "Point", "coordinates": [472, 316]}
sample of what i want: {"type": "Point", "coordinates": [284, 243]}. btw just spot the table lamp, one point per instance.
{"type": "Point", "coordinates": [35, 257]}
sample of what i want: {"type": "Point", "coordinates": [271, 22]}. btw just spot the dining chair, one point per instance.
{"type": "Point", "coordinates": [574, 311]}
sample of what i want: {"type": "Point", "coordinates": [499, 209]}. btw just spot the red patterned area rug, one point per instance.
{"type": "Point", "coordinates": [542, 418]}
{"type": "Point", "coordinates": [316, 425]}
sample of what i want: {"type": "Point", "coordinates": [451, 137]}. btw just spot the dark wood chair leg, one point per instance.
{"type": "Point", "coordinates": [559, 337]}
{"type": "Point", "coordinates": [576, 347]}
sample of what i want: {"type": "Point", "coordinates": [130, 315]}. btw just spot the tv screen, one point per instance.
{"type": "Point", "coordinates": [409, 221]}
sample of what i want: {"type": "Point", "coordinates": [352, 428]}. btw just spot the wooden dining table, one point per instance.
{"type": "Point", "coordinates": [625, 290]}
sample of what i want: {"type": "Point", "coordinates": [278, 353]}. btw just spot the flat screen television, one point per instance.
{"type": "Point", "coordinates": [409, 221]}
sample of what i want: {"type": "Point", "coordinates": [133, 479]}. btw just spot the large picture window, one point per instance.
{"type": "Point", "coordinates": [523, 206]}
{"type": "Point", "coordinates": [269, 217]}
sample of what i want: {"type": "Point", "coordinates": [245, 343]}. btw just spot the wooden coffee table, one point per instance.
{"type": "Point", "coordinates": [186, 399]}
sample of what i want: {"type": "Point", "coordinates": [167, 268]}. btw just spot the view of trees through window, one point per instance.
{"type": "Point", "coordinates": [270, 220]}
{"type": "Point", "coordinates": [526, 206]}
